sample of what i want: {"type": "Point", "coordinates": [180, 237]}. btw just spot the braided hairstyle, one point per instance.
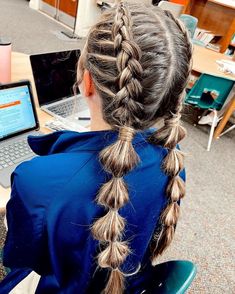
{"type": "Point", "coordinates": [139, 59]}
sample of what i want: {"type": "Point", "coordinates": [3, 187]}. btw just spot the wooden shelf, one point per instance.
{"type": "Point", "coordinates": [217, 16]}
{"type": "Point", "coordinates": [226, 3]}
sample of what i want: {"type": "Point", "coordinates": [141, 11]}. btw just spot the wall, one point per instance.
{"type": "Point", "coordinates": [88, 12]}
{"type": "Point", "coordinates": [34, 4]}
{"type": "Point", "coordinates": [87, 15]}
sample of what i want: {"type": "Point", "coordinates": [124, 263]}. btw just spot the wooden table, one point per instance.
{"type": "Point", "coordinates": [203, 62]}
{"type": "Point", "coordinates": [226, 3]}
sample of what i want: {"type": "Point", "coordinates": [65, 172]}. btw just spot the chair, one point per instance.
{"type": "Point", "coordinates": [209, 93]}
{"type": "Point", "coordinates": [190, 23]}
{"type": "Point", "coordinates": [172, 277]}
{"type": "Point", "coordinates": [175, 9]}
{"type": "Point", "coordinates": [228, 113]}
{"type": "Point", "coordinates": [7, 270]}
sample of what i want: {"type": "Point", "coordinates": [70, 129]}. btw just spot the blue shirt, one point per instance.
{"type": "Point", "coordinates": [52, 207]}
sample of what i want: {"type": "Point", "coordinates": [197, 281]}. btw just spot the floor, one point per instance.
{"type": "Point", "coordinates": [19, 23]}
{"type": "Point", "coordinates": [205, 233]}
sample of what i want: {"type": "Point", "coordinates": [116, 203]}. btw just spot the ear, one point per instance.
{"type": "Point", "coordinates": [88, 84]}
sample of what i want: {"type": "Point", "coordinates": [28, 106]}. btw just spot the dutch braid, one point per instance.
{"type": "Point", "coordinates": [119, 158]}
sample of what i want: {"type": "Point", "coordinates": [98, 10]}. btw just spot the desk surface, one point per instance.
{"type": "Point", "coordinates": [203, 62]}
{"type": "Point", "coordinates": [226, 3]}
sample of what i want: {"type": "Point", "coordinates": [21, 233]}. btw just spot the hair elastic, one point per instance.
{"type": "Point", "coordinates": [126, 134]}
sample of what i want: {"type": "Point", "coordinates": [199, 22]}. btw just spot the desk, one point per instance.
{"type": "Point", "coordinates": [203, 61]}
{"type": "Point", "coordinates": [226, 3]}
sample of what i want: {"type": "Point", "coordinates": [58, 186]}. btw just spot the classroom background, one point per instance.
{"type": "Point", "coordinates": [205, 232]}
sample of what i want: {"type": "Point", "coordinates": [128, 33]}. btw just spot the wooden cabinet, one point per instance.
{"type": "Point", "coordinates": [63, 10]}
{"type": "Point", "coordinates": [50, 2]}
{"type": "Point", "coordinates": [216, 16]}
{"type": "Point", "coordinates": [68, 6]}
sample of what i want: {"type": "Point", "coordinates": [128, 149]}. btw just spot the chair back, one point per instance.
{"type": "Point", "coordinates": [7, 270]}
{"type": "Point", "coordinates": [175, 9]}
{"type": "Point", "coordinates": [209, 92]}
{"type": "Point", "coordinates": [190, 23]}
{"type": "Point", "coordinates": [172, 277]}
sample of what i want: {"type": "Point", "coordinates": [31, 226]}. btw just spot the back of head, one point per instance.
{"type": "Point", "coordinates": [143, 52]}
{"type": "Point", "coordinates": [139, 59]}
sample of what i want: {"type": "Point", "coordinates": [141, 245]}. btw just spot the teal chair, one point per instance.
{"type": "Point", "coordinates": [7, 270]}
{"type": "Point", "coordinates": [190, 23]}
{"type": "Point", "coordinates": [210, 93]}
{"type": "Point", "coordinates": [172, 277]}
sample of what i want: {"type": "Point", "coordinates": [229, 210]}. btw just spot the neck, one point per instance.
{"type": "Point", "coordinates": [95, 107]}
{"type": "Point", "coordinates": [98, 124]}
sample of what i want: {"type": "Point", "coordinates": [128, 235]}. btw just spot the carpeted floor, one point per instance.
{"type": "Point", "coordinates": [205, 233]}
{"type": "Point", "coordinates": [19, 23]}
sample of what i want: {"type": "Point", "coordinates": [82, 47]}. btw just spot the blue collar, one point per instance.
{"type": "Point", "coordinates": [69, 141]}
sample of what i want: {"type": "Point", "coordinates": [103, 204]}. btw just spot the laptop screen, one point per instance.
{"type": "Point", "coordinates": [54, 75]}
{"type": "Point", "coordinates": [17, 112]}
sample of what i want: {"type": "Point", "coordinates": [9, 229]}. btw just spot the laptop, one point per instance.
{"type": "Point", "coordinates": [18, 119]}
{"type": "Point", "coordinates": [54, 76]}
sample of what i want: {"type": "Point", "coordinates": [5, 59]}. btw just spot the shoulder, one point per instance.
{"type": "Point", "coordinates": [54, 170]}
{"type": "Point", "coordinates": [38, 180]}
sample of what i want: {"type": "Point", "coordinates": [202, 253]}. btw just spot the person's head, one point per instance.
{"type": "Point", "coordinates": [137, 62]}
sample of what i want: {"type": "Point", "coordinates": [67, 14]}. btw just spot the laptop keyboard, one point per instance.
{"type": "Point", "coordinates": [63, 109]}
{"type": "Point", "coordinates": [14, 153]}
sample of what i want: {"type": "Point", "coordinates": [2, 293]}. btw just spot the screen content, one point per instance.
{"type": "Point", "coordinates": [16, 111]}
{"type": "Point", "coordinates": [54, 75]}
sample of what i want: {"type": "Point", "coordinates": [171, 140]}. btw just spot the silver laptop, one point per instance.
{"type": "Point", "coordinates": [18, 119]}
{"type": "Point", "coordinates": [54, 76]}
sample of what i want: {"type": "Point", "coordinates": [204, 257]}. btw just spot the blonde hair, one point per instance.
{"type": "Point", "coordinates": [139, 59]}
